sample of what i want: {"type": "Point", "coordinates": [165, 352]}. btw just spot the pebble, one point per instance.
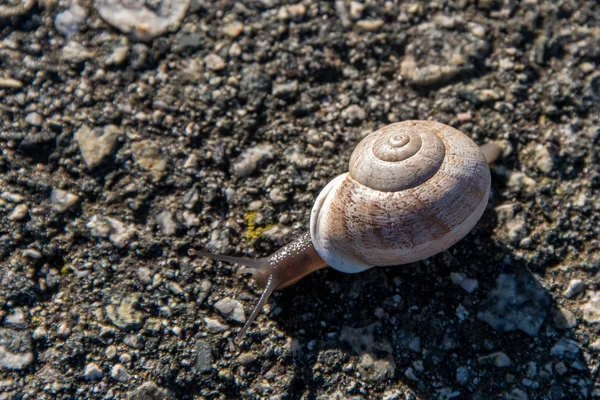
{"type": "Point", "coordinates": [62, 200]}
{"type": "Point", "coordinates": [16, 351]}
{"type": "Point", "coordinates": [16, 319]}
{"type": "Point", "coordinates": [63, 330]}
{"type": "Point", "coordinates": [69, 21]}
{"type": "Point", "coordinates": [517, 302]}
{"type": "Point", "coordinates": [595, 346]}
{"type": "Point", "coordinates": [204, 291]}
{"type": "Point", "coordinates": [233, 29]}
{"type": "Point", "coordinates": [111, 352]}
{"type": "Point", "coordinates": [591, 309]}
{"type": "Point", "coordinates": [32, 254]}
{"type": "Point", "coordinates": [277, 196]}
{"type": "Point", "coordinates": [117, 57]}
{"type": "Point", "coordinates": [247, 358]}
{"type": "Point", "coordinates": [511, 223]}
{"type": "Point", "coordinates": [116, 231]}
{"type": "Point", "coordinates": [19, 213]}
{"type": "Point", "coordinates": [370, 25]}
{"type": "Point", "coordinates": [39, 333]}
{"type": "Point", "coordinates": [97, 144]}
{"type": "Point", "coordinates": [11, 197]}
{"type": "Point", "coordinates": [248, 161]}
{"type": "Point", "coordinates": [231, 309]}
{"type": "Point", "coordinates": [285, 90]}
{"type": "Point", "coordinates": [204, 357]}
{"type": "Point", "coordinates": [144, 275]}
{"type": "Point", "coordinates": [468, 284]}
{"type": "Point", "coordinates": [74, 52]}
{"type": "Point", "coordinates": [34, 119]}
{"type": "Point", "coordinates": [356, 9]}
{"type": "Point", "coordinates": [214, 326]}
{"type": "Point", "coordinates": [10, 83]}
{"type": "Point", "coordinates": [564, 319]}
{"type": "Point", "coordinates": [214, 62]}
{"type": "Point", "coordinates": [119, 373]}
{"type": "Point", "coordinates": [565, 348]}
{"type": "Point", "coordinates": [147, 155]}
{"type": "Point", "coordinates": [575, 287]}
{"type": "Point", "coordinates": [166, 223]}
{"type": "Point", "coordinates": [150, 391]}
{"type": "Point", "coordinates": [141, 23]}
{"type": "Point", "coordinates": [92, 372]}
{"type": "Point", "coordinates": [543, 159]}
{"type": "Point", "coordinates": [353, 115]}
{"type": "Point", "coordinates": [499, 359]}
{"type": "Point", "coordinates": [462, 375]}
{"type": "Point", "coordinates": [124, 315]}
{"type": "Point", "coordinates": [296, 10]}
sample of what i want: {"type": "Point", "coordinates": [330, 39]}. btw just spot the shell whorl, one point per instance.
{"type": "Point", "coordinates": [414, 189]}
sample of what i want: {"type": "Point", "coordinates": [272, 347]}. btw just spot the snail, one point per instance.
{"type": "Point", "coordinates": [413, 189]}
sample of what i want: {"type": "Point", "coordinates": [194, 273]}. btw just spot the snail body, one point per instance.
{"type": "Point", "coordinates": [413, 189]}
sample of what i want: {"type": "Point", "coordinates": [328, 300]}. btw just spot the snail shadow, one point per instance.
{"type": "Point", "coordinates": [438, 329]}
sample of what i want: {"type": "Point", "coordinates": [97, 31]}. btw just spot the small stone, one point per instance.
{"type": "Point", "coordinates": [296, 10]}
{"type": "Point", "coordinates": [250, 158]}
{"type": "Point", "coordinates": [19, 213]}
{"type": "Point", "coordinates": [214, 326]}
{"type": "Point", "coordinates": [147, 155]}
{"type": "Point", "coordinates": [543, 159]}
{"type": "Point", "coordinates": [144, 275]}
{"type": "Point", "coordinates": [34, 119]}
{"type": "Point", "coordinates": [150, 391]}
{"type": "Point", "coordinates": [499, 359]}
{"type": "Point", "coordinates": [410, 374]}
{"type": "Point", "coordinates": [469, 285]}
{"type": "Point", "coordinates": [356, 9]}
{"type": "Point", "coordinates": [63, 330]}
{"type": "Point", "coordinates": [517, 302]}
{"type": "Point", "coordinates": [111, 352]}
{"type": "Point", "coordinates": [166, 223]}
{"type": "Point", "coordinates": [277, 196]}
{"type": "Point", "coordinates": [32, 254]}
{"type": "Point", "coordinates": [75, 53]}
{"type": "Point", "coordinates": [233, 29]}
{"type": "Point", "coordinates": [92, 372]}
{"type": "Point", "coordinates": [214, 62]}
{"type": "Point", "coordinates": [591, 309]}
{"type": "Point", "coordinates": [462, 375]}
{"type": "Point", "coordinates": [204, 357]}
{"type": "Point", "coordinates": [576, 286]}
{"type": "Point", "coordinates": [69, 21]}
{"type": "Point", "coordinates": [560, 368]}
{"type": "Point", "coordinates": [204, 291]}
{"type": "Point", "coordinates": [140, 22]}
{"type": "Point", "coordinates": [10, 83]}
{"type": "Point", "coordinates": [116, 231]}
{"type": "Point", "coordinates": [97, 144]}
{"type": "Point", "coordinates": [16, 352]}
{"type": "Point", "coordinates": [39, 333]}
{"type": "Point", "coordinates": [117, 57]}
{"type": "Point", "coordinates": [595, 346]}
{"type": "Point", "coordinates": [565, 347]}
{"type": "Point", "coordinates": [62, 200]}
{"type": "Point", "coordinates": [134, 341]}
{"type": "Point", "coordinates": [247, 358]}
{"type": "Point", "coordinates": [119, 373]}
{"type": "Point", "coordinates": [564, 319]}
{"type": "Point", "coordinates": [370, 24]}
{"type": "Point", "coordinates": [353, 115]}
{"type": "Point", "coordinates": [16, 319]}
{"type": "Point", "coordinates": [231, 309]}
{"type": "Point", "coordinates": [285, 90]}
{"type": "Point", "coordinates": [124, 315]}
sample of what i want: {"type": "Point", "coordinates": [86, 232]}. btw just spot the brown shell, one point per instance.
{"type": "Point", "coordinates": [414, 189]}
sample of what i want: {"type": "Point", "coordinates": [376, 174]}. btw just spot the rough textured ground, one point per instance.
{"type": "Point", "coordinates": [118, 155]}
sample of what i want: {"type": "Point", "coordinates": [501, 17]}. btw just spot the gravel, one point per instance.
{"type": "Point", "coordinates": [132, 131]}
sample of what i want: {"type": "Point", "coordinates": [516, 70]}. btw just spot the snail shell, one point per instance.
{"type": "Point", "coordinates": [413, 189]}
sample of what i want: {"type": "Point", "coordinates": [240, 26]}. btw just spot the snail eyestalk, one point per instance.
{"type": "Point", "coordinates": [283, 268]}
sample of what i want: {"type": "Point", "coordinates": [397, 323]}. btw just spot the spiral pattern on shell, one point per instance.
{"type": "Point", "coordinates": [414, 189]}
